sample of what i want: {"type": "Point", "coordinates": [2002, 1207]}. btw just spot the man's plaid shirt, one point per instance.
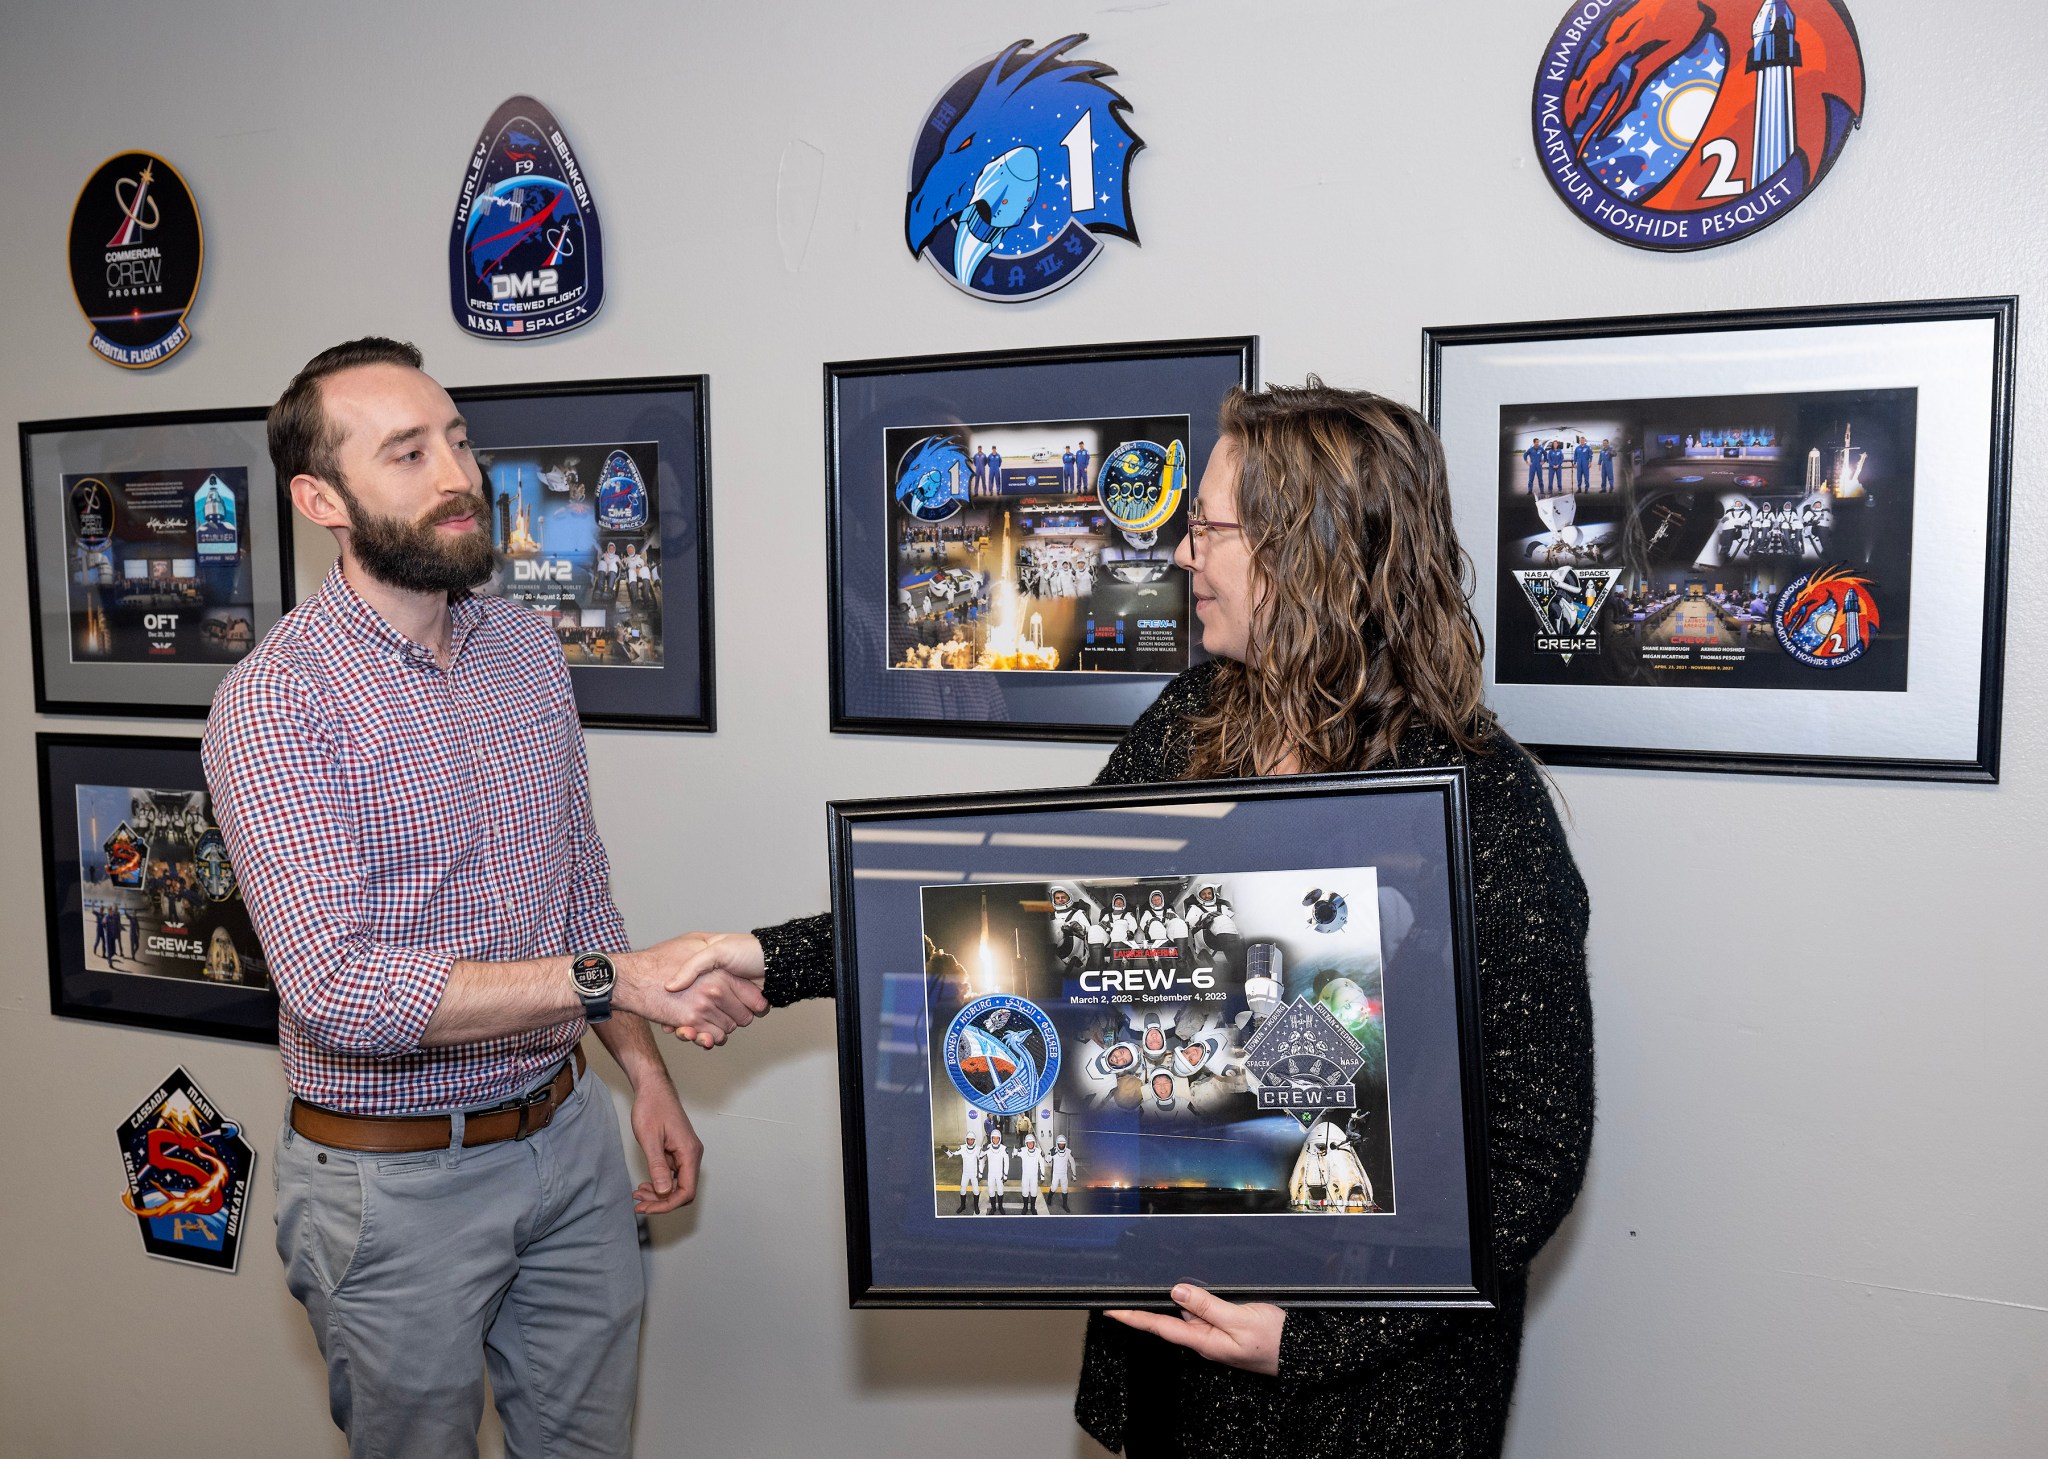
{"type": "Point", "coordinates": [387, 818]}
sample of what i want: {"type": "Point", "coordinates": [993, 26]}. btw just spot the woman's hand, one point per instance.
{"type": "Point", "coordinates": [1242, 1334]}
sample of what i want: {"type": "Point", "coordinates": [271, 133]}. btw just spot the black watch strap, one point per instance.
{"type": "Point", "coordinates": [595, 979]}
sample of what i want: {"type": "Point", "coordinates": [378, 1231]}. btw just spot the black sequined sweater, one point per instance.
{"type": "Point", "coordinates": [1352, 1382]}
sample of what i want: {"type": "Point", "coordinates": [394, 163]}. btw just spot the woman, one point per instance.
{"type": "Point", "coordinates": [1329, 587]}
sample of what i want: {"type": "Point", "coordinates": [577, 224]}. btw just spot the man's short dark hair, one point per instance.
{"type": "Point", "coordinates": [302, 440]}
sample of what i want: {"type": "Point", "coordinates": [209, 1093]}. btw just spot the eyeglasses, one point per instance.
{"type": "Point", "coordinates": [1199, 527]}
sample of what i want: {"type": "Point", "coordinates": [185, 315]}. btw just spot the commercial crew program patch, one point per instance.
{"type": "Point", "coordinates": [136, 251]}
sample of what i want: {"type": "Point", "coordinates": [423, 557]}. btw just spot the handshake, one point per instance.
{"type": "Point", "coordinates": [702, 984]}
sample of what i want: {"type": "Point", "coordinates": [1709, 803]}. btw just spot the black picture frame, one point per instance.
{"type": "Point", "coordinates": [1429, 1247]}
{"type": "Point", "coordinates": [184, 443]}
{"type": "Point", "coordinates": [1955, 359]}
{"type": "Point", "coordinates": [182, 1004]}
{"type": "Point", "coordinates": [866, 401]}
{"type": "Point", "coordinates": [671, 413]}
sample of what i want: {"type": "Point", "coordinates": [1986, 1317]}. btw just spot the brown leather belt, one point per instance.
{"type": "Point", "coordinates": [411, 1134]}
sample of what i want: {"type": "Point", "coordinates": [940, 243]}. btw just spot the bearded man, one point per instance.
{"type": "Point", "coordinates": [398, 770]}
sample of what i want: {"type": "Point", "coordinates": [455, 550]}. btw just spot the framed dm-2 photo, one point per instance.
{"type": "Point", "coordinates": [1771, 541]}
{"type": "Point", "coordinates": [1002, 529]}
{"type": "Point", "coordinates": [157, 552]}
{"type": "Point", "coordinates": [1224, 1033]}
{"type": "Point", "coordinates": [601, 515]}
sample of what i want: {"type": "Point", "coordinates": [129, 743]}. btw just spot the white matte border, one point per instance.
{"type": "Point", "coordinates": [1953, 365]}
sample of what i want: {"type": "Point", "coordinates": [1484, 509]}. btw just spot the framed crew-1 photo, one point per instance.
{"type": "Point", "coordinates": [601, 515]}
{"type": "Point", "coordinates": [1769, 541]}
{"type": "Point", "coordinates": [1001, 533]}
{"type": "Point", "coordinates": [1095, 1042]}
{"type": "Point", "coordinates": [145, 915]}
{"type": "Point", "coordinates": [157, 547]}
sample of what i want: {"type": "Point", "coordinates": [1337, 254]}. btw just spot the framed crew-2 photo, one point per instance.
{"type": "Point", "coordinates": [600, 497]}
{"type": "Point", "coordinates": [145, 914]}
{"type": "Point", "coordinates": [157, 547]}
{"type": "Point", "coordinates": [1096, 1042]}
{"type": "Point", "coordinates": [1002, 531]}
{"type": "Point", "coordinates": [1770, 541]}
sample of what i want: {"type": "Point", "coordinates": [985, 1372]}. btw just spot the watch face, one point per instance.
{"type": "Point", "coordinates": [593, 974]}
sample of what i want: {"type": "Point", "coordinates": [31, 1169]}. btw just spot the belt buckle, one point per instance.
{"type": "Point", "coordinates": [543, 1095]}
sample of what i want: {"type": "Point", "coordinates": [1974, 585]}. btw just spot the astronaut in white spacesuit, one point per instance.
{"type": "Point", "coordinates": [1062, 1175]}
{"type": "Point", "coordinates": [970, 1175]}
{"type": "Point", "coordinates": [995, 1166]}
{"type": "Point", "coordinates": [1030, 1173]}
{"type": "Point", "coordinates": [1212, 924]}
{"type": "Point", "coordinates": [1160, 928]}
{"type": "Point", "coordinates": [1076, 936]}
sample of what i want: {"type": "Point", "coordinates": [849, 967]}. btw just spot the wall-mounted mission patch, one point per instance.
{"type": "Point", "coordinates": [1674, 125]}
{"type": "Point", "coordinates": [136, 252]}
{"type": "Point", "coordinates": [525, 255]}
{"type": "Point", "coordinates": [188, 1171]}
{"type": "Point", "coordinates": [1021, 163]}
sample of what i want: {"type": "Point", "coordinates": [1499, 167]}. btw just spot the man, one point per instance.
{"type": "Point", "coordinates": [1067, 468]}
{"type": "Point", "coordinates": [970, 1175]}
{"type": "Point", "coordinates": [995, 1165]}
{"type": "Point", "coordinates": [1607, 465]}
{"type": "Point", "coordinates": [1081, 466]}
{"type": "Point", "coordinates": [1062, 1176]}
{"type": "Point", "coordinates": [1582, 463]}
{"type": "Point", "coordinates": [1030, 1172]}
{"type": "Point", "coordinates": [398, 771]}
{"type": "Point", "coordinates": [1533, 455]}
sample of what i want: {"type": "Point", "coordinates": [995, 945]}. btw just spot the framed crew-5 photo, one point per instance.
{"type": "Point", "coordinates": [145, 915]}
{"type": "Point", "coordinates": [1096, 1042]}
{"type": "Point", "coordinates": [157, 547]}
{"type": "Point", "coordinates": [1766, 541]}
{"type": "Point", "coordinates": [600, 497]}
{"type": "Point", "coordinates": [1002, 530]}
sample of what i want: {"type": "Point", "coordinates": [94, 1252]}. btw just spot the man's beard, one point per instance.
{"type": "Point", "coordinates": [416, 556]}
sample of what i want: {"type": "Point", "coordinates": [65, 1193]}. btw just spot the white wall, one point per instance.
{"type": "Point", "coordinates": [1813, 1220]}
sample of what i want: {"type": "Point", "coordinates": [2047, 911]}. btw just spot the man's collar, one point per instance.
{"type": "Point", "coordinates": [342, 603]}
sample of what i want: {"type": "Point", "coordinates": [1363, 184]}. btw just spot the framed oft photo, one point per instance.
{"type": "Point", "coordinates": [1096, 1042]}
{"type": "Point", "coordinates": [146, 921]}
{"type": "Point", "coordinates": [156, 553]}
{"type": "Point", "coordinates": [601, 514]}
{"type": "Point", "coordinates": [1001, 534]}
{"type": "Point", "coordinates": [1770, 541]}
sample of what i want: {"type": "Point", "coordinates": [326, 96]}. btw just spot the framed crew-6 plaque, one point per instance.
{"type": "Point", "coordinates": [145, 914]}
{"type": "Point", "coordinates": [601, 515]}
{"type": "Point", "coordinates": [156, 547]}
{"type": "Point", "coordinates": [1002, 530]}
{"type": "Point", "coordinates": [1222, 1033]}
{"type": "Point", "coordinates": [1767, 541]}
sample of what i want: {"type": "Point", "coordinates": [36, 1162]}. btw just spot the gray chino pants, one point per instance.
{"type": "Point", "coordinates": [418, 1270]}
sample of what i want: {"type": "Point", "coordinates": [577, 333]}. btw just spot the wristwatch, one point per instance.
{"type": "Point", "coordinates": [595, 977]}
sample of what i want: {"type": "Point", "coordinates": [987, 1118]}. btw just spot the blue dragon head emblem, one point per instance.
{"type": "Point", "coordinates": [932, 482]}
{"type": "Point", "coordinates": [1020, 164]}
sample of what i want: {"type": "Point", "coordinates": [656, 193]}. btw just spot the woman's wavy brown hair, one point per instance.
{"type": "Point", "coordinates": [1361, 626]}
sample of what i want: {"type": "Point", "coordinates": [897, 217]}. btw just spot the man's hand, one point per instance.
{"type": "Point", "coordinates": [666, 984]}
{"type": "Point", "coordinates": [1242, 1334]}
{"type": "Point", "coordinates": [718, 967]}
{"type": "Point", "coordinates": [689, 957]}
{"type": "Point", "coordinates": [670, 1144]}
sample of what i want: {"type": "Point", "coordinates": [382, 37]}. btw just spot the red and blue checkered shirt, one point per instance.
{"type": "Point", "coordinates": [386, 818]}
